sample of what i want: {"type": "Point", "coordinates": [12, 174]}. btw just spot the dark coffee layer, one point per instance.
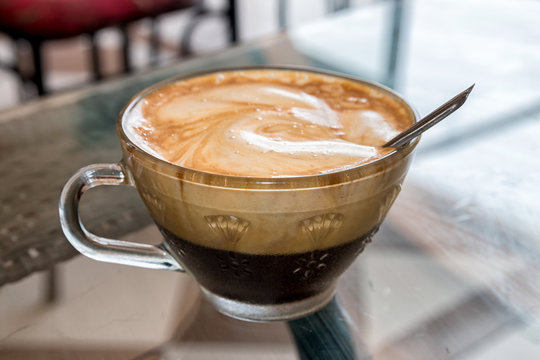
{"type": "Point", "coordinates": [265, 279]}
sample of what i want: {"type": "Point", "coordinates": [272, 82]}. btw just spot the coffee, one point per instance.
{"type": "Point", "coordinates": [317, 141]}
{"type": "Point", "coordinates": [266, 123]}
{"type": "Point", "coordinates": [266, 184]}
{"type": "Point", "coordinates": [266, 278]}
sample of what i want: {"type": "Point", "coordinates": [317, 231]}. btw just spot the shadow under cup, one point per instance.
{"type": "Point", "coordinates": [260, 248]}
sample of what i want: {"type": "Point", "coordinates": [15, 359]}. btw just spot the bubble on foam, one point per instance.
{"type": "Point", "coordinates": [219, 79]}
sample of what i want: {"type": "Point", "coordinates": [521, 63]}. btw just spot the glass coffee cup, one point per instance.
{"type": "Point", "coordinates": [260, 248]}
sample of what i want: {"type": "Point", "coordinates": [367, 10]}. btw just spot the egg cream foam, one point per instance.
{"type": "Point", "coordinates": [266, 123]}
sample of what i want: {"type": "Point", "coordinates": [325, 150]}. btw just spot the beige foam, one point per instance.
{"type": "Point", "coordinates": [266, 123]}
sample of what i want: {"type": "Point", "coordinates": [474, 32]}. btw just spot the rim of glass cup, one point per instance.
{"type": "Point", "coordinates": [297, 181]}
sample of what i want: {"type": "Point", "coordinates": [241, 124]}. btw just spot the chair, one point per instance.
{"type": "Point", "coordinates": [35, 22]}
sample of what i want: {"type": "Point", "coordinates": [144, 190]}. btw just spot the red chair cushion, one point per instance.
{"type": "Point", "coordinates": [65, 18]}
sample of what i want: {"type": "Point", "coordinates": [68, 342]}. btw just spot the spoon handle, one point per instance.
{"type": "Point", "coordinates": [428, 121]}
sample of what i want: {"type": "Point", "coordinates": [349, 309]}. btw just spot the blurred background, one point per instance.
{"type": "Point", "coordinates": [157, 35]}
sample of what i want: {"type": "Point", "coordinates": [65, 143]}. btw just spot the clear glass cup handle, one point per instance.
{"type": "Point", "coordinates": [97, 247]}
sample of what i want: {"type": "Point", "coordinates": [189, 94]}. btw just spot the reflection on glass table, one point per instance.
{"type": "Point", "coordinates": [452, 274]}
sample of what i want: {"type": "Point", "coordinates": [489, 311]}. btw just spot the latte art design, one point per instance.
{"type": "Point", "coordinates": [265, 124]}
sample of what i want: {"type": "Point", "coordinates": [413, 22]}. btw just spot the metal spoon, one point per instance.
{"type": "Point", "coordinates": [428, 121]}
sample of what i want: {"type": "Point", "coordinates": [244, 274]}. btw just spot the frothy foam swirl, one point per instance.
{"type": "Point", "coordinates": [265, 123]}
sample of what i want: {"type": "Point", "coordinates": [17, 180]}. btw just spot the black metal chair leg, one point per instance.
{"type": "Point", "coordinates": [126, 49]}
{"type": "Point", "coordinates": [233, 23]}
{"type": "Point", "coordinates": [23, 79]}
{"type": "Point", "coordinates": [94, 58]}
{"type": "Point", "coordinates": [198, 14]}
{"type": "Point", "coordinates": [199, 11]}
{"type": "Point", "coordinates": [37, 76]}
{"type": "Point", "coordinates": [154, 41]}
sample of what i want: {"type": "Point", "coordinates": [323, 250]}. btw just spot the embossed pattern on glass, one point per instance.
{"type": "Point", "coordinates": [229, 229]}
{"type": "Point", "coordinates": [319, 227]}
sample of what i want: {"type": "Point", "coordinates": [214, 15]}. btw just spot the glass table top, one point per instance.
{"type": "Point", "coordinates": [453, 273]}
